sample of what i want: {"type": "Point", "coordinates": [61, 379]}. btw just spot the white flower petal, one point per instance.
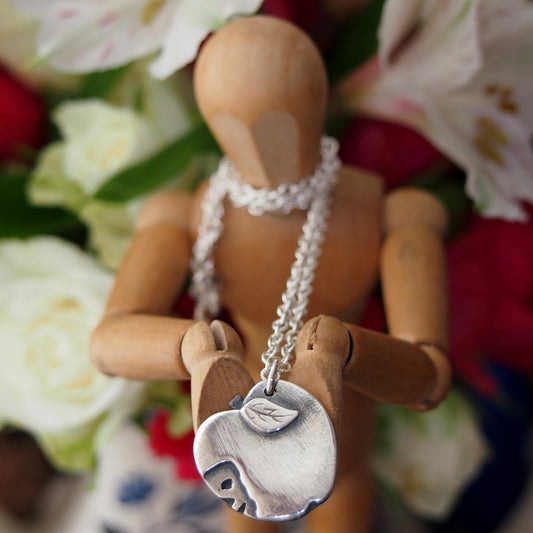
{"type": "Point", "coordinates": [439, 50]}
{"type": "Point", "coordinates": [101, 140]}
{"type": "Point", "coordinates": [229, 8]}
{"type": "Point", "coordinates": [192, 21]}
{"type": "Point", "coordinates": [505, 28]}
{"type": "Point", "coordinates": [80, 36]}
{"type": "Point", "coordinates": [36, 8]}
{"type": "Point", "coordinates": [17, 34]}
{"type": "Point", "coordinates": [492, 146]}
{"type": "Point", "coordinates": [460, 72]}
{"type": "Point", "coordinates": [179, 47]}
{"type": "Point", "coordinates": [398, 19]}
{"type": "Point", "coordinates": [168, 106]}
{"type": "Point", "coordinates": [97, 35]}
{"type": "Point", "coordinates": [429, 458]}
{"type": "Point", "coordinates": [18, 37]}
{"type": "Point", "coordinates": [511, 82]}
{"type": "Point", "coordinates": [54, 298]}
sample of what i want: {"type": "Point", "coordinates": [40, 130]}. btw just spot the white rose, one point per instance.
{"type": "Point", "coordinates": [51, 297]}
{"type": "Point", "coordinates": [100, 140]}
{"type": "Point", "coordinates": [429, 458]}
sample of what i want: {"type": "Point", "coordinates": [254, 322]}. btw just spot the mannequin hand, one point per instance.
{"type": "Point", "coordinates": [322, 351]}
{"type": "Point", "coordinates": [213, 354]}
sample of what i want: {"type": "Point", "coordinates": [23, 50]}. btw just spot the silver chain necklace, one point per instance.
{"type": "Point", "coordinates": [247, 456]}
{"type": "Point", "coordinates": [311, 193]}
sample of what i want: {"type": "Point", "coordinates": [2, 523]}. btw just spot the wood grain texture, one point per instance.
{"type": "Point", "coordinates": [443, 380]}
{"type": "Point", "coordinates": [153, 271]}
{"type": "Point", "coordinates": [213, 355]}
{"type": "Point", "coordinates": [414, 286]}
{"type": "Point", "coordinates": [350, 509]}
{"type": "Point", "coordinates": [140, 346]}
{"type": "Point", "coordinates": [171, 205]}
{"type": "Point", "coordinates": [410, 206]}
{"type": "Point", "coordinates": [136, 339]}
{"type": "Point", "coordinates": [389, 369]}
{"type": "Point", "coordinates": [322, 349]}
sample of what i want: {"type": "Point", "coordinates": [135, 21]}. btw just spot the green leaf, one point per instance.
{"type": "Point", "coordinates": [357, 42]}
{"type": "Point", "coordinates": [100, 84]}
{"type": "Point", "coordinates": [180, 418]}
{"type": "Point", "coordinates": [159, 168]}
{"type": "Point", "coordinates": [111, 227]}
{"type": "Point", "coordinates": [19, 218]}
{"type": "Point", "coordinates": [337, 122]}
{"type": "Point", "coordinates": [49, 186]}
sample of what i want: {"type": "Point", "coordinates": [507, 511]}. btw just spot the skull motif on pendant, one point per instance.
{"type": "Point", "coordinates": [273, 457]}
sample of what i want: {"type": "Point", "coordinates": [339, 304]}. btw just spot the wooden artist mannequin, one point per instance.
{"type": "Point", "coordinates": [261, 86]}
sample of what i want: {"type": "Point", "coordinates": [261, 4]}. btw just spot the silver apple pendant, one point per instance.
{"type": "Point", "coordinates": [272, 457]}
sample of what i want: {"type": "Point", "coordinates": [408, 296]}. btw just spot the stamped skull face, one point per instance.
{"type": "Point", "coordinates": [224, 479]}
{"type": "Point", "coordinates": [272, 459]}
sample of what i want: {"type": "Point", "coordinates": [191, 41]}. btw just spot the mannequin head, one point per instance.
{"type": "Point", "coordinates": [261, 86]}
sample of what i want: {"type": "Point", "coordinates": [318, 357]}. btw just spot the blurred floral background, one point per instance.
{"type": "Point", "coordinates": [97, 113]}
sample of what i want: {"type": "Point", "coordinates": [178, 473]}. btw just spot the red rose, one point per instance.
{"type": "Point", "coordinates": [163, 444]}
{"type": "Point", "coordinates": [395, 152]}
{"type": "Point", "coordinates": [304, 13]}
{"type": "Point", "coordinates": [491, 299]}
{"type": "Point", "coordinates": [373, 316]}
{"type": "Point", "coordinates": [22, 117]}
{"type": "Point", "coordinates": [184, 305]}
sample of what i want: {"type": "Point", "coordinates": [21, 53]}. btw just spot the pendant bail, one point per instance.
{"type": "Point", "coordinates": [272, 379]}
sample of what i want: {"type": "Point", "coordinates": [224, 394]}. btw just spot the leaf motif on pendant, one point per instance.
{"type": "Point", "coordinates": [266, 416]}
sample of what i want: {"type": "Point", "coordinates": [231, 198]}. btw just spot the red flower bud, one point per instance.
{"type": "Point", "coordinates": [395, 152]}
{"type": "Point", "coordinates": [22, 118]}
{"type": "Point", "coordinates": [302, 12]}
{"type": "Point", "coordinates": [163, 444]}
{"type": "Point", "coordinates": [491, 298]}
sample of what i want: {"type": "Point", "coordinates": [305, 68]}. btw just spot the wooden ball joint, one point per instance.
{"type": "Point", "coordinates": [261, 87]}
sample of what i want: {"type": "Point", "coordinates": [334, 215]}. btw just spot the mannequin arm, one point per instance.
{"type": "Point", "coordinates": [134, 339]}
{"type": "Point", "coordinates": [409, 366]}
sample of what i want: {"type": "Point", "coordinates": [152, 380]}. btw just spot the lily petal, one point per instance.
{"type": "Point", "coordinates": [81, 36]}
{"type": "Point", "coordinates": [187, 30]}
{"type": "Point", "coordinates": [432, 46]}
{"type": "Point", "coordinates": [241, 7]}
{"type": "Point", "coordinates": [460, 73]}
{"type": "Point", "coordinates": [397, 22]}
{"type": "Point", "coordinates": [32, 7]}
{"type": "Point", "coordinates": [98, 35]}
{"type": "Point", "coordinates": [491, 145]}
{"type": "Point", "coordinates": [192, 21]}
{"type": "Point", "coordinates": [505, 27]}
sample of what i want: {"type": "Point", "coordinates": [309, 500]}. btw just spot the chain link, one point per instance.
{"type": "Point", "coordinates": [311, 193]}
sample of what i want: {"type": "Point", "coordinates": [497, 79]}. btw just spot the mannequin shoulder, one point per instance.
{"type": "Point", "coordinates": [361, 189]}
{"type": "Point", "coordinates": [411, 206]}
{"type": "Point", "coordinates": [172, 206]}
